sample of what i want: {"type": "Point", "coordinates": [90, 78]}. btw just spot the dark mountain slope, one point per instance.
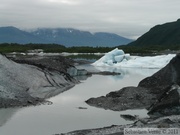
{"type": "Point", "coordinates": [162, 35]}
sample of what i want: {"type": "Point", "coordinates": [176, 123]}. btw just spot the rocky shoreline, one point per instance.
{"type": "Point", "coordinates": [34, 79]}
{"type": "Point", "coordinates": [159, 94]}
{"type": "Point", "coordinates": [163, 122]}
{"type": "Point", "coordinates": [160, 91]}
{"type": "Point", "coordinates": [31, 80]}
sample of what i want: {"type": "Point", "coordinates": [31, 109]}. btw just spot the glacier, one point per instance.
{"type": "Point", "coordinates": [118, 58]}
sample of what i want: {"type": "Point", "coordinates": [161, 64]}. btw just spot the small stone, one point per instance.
{"type": "Point", "coordinates": [82, 107]}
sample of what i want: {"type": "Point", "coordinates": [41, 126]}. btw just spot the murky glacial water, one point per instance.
{"type": "Point", "coordinates": [64, 116]}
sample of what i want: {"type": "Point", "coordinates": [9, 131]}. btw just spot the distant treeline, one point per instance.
{"type": "Point", "coordinates": [55, 48]}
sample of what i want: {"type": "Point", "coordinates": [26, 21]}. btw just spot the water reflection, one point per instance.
{"type": "Point", "coordinates": [6, 114]}
{"type": "Point", "coordinates": [124, 71]}
{"type": "Point", "coordinates": [64, 116]}
{"type": "Point", "coordinates": [128, 71]}
{"type": "Point", "coordinates": [82, 77]}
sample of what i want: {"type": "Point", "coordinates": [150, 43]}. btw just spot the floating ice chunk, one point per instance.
{"type": "Point", "coordinates": [127, 56]}
{"type": "Point", "coordinates": [110, 62]}
{"type": "Point", "coordinates": [112, 57]}
{"type": "Point", "coordinates": [116, 52]}
{"type": "Point", "coordinates": [119, 59]}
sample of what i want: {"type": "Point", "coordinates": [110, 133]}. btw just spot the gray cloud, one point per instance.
{"type": "Point", "coordinates": [129, 18]}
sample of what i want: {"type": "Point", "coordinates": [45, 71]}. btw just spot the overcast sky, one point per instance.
{"type": "Point", "coordinates": [128, 18]}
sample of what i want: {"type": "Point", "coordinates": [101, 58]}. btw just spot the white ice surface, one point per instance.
{"type": "Point", "coordinates": [117, 58]}
{"type": "Point", "coordinates": [56, 54]}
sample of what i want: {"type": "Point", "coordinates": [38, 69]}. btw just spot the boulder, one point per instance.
{"type": "Point", "coordinates": [165, 77]}
{"type": "Point", "coordinates": [168, 103]}
{"type": "Point", "coordinates": [129, 117]}
{"type": "Point", "coordinates": [126, 98]}
{"type": "Point", "coordinates": [72, 71]}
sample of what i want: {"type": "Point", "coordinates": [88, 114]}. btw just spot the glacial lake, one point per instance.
{"type": "Point", "coordinates": [64, 114]}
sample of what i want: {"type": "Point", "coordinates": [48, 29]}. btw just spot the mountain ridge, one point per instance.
{"type": "Point", "coordinates": [63, 36]}
{"type": "Point", "coordinates": [12, 34]}
{"type": "Point", "coordinates": [166, 34]}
